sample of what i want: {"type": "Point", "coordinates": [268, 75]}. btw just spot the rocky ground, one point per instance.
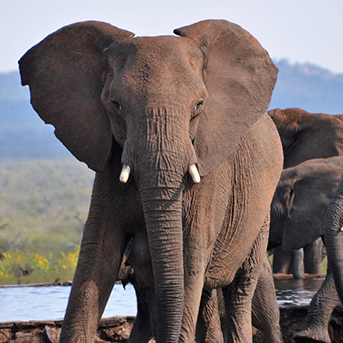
{"type": "Point", "coordinates": [117, 329]}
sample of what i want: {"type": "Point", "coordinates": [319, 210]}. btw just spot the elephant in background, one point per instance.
{"type": "Point", "coordinates": [305, 136]}
{"type": "Point", "coordinates": [300, 202]}
{"type": "Point", "coordinates": [298, 213]}
{"type": "Point", "coordinates": [184, 153]}
{"type": "Point", "coordinates": [331, 292]}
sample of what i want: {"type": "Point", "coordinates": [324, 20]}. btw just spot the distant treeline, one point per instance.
{"type": "Point", "coordinates": [309, 87]}
{"type": "Point", "coordinates": [24, 135]}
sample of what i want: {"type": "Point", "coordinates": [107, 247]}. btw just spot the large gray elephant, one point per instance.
{"type": "Point", "coordinates": [300, 202]}
{"type": "Point", "coordinates": [141, 112]}
{"type": "Point", "coordinates": [305, 136]}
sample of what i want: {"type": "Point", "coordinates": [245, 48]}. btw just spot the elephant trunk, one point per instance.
{"type": "Point", "coordinates": [333, 235]}
{"type": "Point", "coordinates": [159, 164]}
{"type": "Point", "coordinates": [163, 218]}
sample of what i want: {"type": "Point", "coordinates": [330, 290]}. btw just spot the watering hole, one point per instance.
{"type": "Point", "coordinates": [49, 302]}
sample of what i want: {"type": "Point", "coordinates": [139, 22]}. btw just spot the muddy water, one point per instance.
{"type": "Point", "coordinates": [298, 292]}
{"type": "Point", "coordinates": [48, 303]}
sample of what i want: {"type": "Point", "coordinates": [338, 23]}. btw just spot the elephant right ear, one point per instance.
{"type": "Point", "coordinates": [64, 73]}
{"type": "Point", "coordinates": [239, 76]}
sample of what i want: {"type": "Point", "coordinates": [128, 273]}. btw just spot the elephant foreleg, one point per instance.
{"type": "Point", "coordinates": [313, 257]}
{"type": "Point", "coordinates": [102, 248]}
{"type": "Point", "coordinates": [95, 275]}
{"type": "Point", "coordinates": [297, 263]}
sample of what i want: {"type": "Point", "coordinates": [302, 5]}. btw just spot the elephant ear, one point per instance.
{"type": "Point", "coordinates": [309, 199]}
{"type": "Point", "coordinates": [240, 77]}
{"type": "Point", "coordinates": [64, 73]}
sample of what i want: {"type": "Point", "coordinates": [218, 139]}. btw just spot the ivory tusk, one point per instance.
{"type": "Point", "coordinates": [193, 172]}
{"type": "Point", "coordinates": [125, 173]}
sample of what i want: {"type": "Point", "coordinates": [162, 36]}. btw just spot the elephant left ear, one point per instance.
{"type": "Point", "coordinates": [240, 77]}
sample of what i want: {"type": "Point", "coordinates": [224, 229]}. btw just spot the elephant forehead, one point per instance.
{"type": "Point", "coordinates": [164, 61]}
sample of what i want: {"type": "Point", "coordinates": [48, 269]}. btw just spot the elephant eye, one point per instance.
{"type": "Point", "coordinates": [116, 104]}
{"type": "Point", "coordinates": [199, 104]}
{"type": "Point", "coordinates": [197, 108]}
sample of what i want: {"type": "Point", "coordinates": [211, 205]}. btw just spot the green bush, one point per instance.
{"type": "Point", "coordinates": [28, 267]}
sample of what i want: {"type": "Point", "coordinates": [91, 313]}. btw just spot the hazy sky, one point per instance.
{"type": "Point", "coordinates": [299, 30]}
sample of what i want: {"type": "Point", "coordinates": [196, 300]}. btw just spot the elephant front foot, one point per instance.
{"type": "Point", "coordinates": [313, 335]}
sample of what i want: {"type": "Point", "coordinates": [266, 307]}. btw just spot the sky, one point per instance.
{"type": "Point", "coordinates": [297, 30]}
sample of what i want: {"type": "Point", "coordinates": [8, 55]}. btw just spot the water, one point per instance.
{"type": "Point", "coordinates": [49, 303]}
{"type": "Point", "coordinates": [297, 292]}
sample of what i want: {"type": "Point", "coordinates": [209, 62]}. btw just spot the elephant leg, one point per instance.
{"type": "Point", "coordinates": [101, 253]}
{"type": "Point", "coordinates": [313, 257]}
{"type": "Point", "coordinates": [142, 328]}
{"type": "Point", "coordinates": [208, 325]}
{"type": "Point", "coordinates": [297, 263]}
{"type": "Point", "coordinates": [142, 280]}
{"type": "Point", "coordinates": [319, 314]}
{"type": "Point", "coordinates": [281, 261]}
{"type": "Point", "coordinates": [265, 309]}
{"type": "Point", "coordinates": [193, 292]}
{"type": "Point", "coordinates": [238, 295]}
{"type": "Point", "coordinates": [95, 275]}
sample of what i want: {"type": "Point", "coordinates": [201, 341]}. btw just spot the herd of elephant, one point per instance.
{"type": "Point", "coordinates": [193, 183]}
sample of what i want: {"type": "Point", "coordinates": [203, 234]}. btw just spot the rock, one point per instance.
{"type": "Point", "coordinates": [117, 329]}
{"type": "Point", "coordinates": [5, 335]}
{"type": "Point", "coordinates": [27, 337]}
{"type": "Point", "coordinates": [51, 334]}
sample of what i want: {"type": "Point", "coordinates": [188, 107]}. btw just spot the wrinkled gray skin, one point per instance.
{"type": "Point", "coordinates": [300, 202]}
{"type": "Point", "coordinates": [298, 213]}
{"type": "Point", "coordinates": [211, 324]}
{"type": "Point", "coordinates": [159, 105]}
{"type": "Point", "coordinates": [333, 235]}
{"type": "Point", "coordinates": [325, 300]}
{"type": "Point", "coordinates": [305, 136]}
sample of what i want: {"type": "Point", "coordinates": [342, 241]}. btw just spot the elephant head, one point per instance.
{"type": "Point", "coordinates": [167, 104]}
{"type": "Point", "coordinates": [307, 135]}
{"type": "Point", "coordinates": [301, 200]}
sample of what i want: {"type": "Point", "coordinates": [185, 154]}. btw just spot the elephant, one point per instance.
{"type": "Point", "coordinates": [305, 136]}
{"type": "Point", "coordinates": [331, 292]}
{"type": "Point", "coordinates": [177, 131]}
{"type": "Point", "coordinates": [300, 202]}
{"type": "Point", "coordinates": [298, 214]}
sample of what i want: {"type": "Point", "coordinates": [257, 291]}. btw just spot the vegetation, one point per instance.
{"type": "Point", "coordinates": [43, 208]}
{"type": "Point", "coordinates": [28, 267]}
